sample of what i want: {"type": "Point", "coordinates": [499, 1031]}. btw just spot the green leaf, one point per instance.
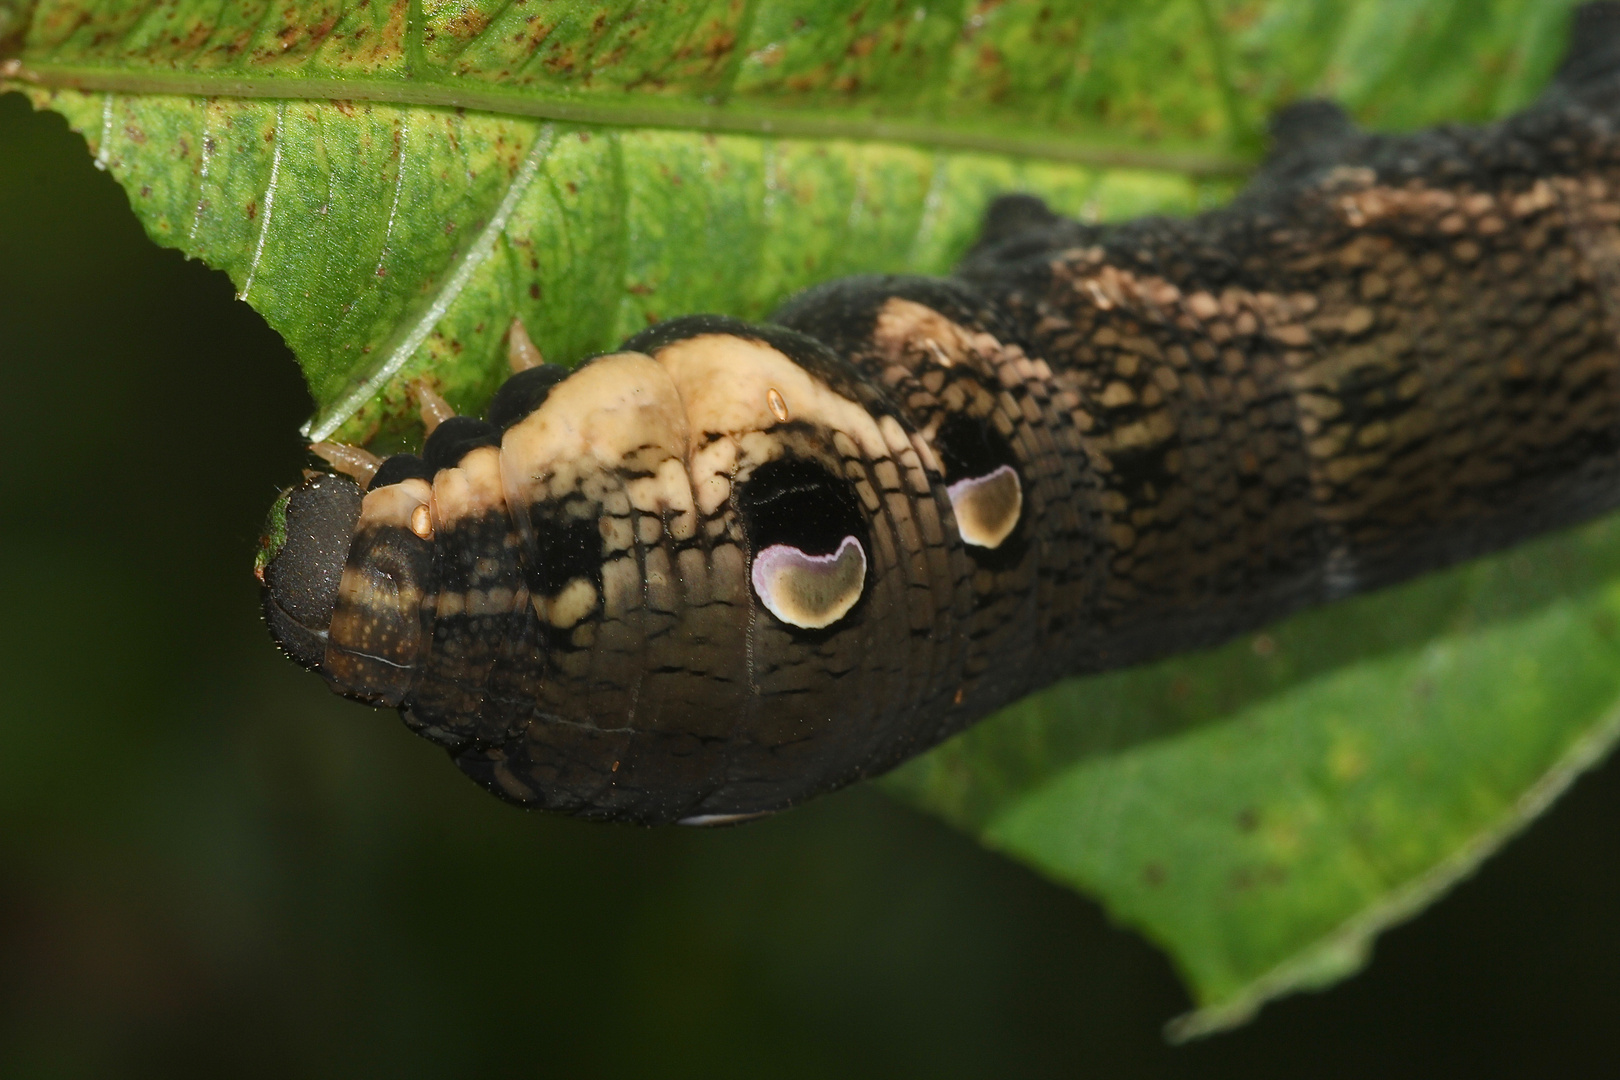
{"type": "Point", "coordinates": [389, 184]}
{"type": "Point", "coordinates": [1263, 810]}
{"type": "Point", "coordinates": [385, 240]}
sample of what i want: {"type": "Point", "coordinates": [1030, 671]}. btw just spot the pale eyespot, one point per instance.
{"type": "Point", "coordinates": [981, 471]}
{"type": "Point", "coordinates": [809, 540]}
{"type": "Point", "coordinates": [810, 591]}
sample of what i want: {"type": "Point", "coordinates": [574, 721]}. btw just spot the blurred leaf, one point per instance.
{"type": "Point", "coordinates": [390, 184]}
{"type": "Point", "coordinates": [1263, 810]}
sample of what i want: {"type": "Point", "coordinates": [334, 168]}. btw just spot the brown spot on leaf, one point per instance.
{"type": "Point", "coordinates": [720, 46]}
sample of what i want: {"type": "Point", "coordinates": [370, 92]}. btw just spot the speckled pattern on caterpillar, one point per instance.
{"type": "Point", "coordinates": [729, 567]}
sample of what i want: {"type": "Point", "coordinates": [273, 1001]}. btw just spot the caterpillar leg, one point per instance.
{"type": "Point", "coordinates": [433, 408]}
{"type": "Point", "coordinates": [521, 353]}
{"type": "Point", "coordinates": [355, 462]}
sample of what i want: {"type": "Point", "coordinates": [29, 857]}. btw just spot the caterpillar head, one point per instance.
{"type": "Point", "coordinates": [651, 587]}
{"type": "Point", "coordinates": [301, 562]}
{"type": "Point", "coordinates": [348, 580]}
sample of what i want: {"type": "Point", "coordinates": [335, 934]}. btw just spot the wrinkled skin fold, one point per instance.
{"type": "Point", "coordinates": [729, 567]}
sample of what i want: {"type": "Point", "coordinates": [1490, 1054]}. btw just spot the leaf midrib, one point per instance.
{"type": "Point", "coordinates": [1188, 158]}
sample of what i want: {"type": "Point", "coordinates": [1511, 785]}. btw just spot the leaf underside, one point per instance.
{"type": "Point", "coordinates": [389, 183]}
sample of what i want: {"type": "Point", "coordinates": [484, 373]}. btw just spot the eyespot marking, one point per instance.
{"type": "Point", "coordinates": [987, 507]}
{"type": "Point", "coordinates": [810, 591]}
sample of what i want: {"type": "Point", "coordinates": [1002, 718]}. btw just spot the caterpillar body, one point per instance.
{"type": "Point", "coordinates": [731, 566]}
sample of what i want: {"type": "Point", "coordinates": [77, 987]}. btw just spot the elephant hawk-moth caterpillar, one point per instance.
{"type": "Point", "coordinates": [731, 566]}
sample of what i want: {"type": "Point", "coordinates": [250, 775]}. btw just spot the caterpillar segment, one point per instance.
{"type": "Point", "coordinates": [731, 566]}
{"type": "Point", "coordinates": [708, 516]}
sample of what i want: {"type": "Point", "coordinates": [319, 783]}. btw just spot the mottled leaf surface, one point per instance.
{"type": "Point", "coordinates": [390, 181]}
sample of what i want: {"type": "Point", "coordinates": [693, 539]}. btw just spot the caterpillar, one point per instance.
{"type": "Point", "coordinates": [729, 566]}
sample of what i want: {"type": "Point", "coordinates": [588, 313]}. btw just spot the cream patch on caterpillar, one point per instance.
{"type": "Point", "coordinates": [987, 507]}
{"type": "Point", "coordinates": [618, 410]}
{"type": "Point", "coordinates": [810, 591]}
{"type": "Point", "coordinates": [726, 383]}
{"type": "Point", "coordinates": [471, 490]}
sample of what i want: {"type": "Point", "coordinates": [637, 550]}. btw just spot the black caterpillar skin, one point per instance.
{"type": "Point", "coordinates": [730, 566]}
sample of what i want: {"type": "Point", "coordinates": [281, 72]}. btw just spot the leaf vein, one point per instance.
{"type": "Point", "coordinates": [269, 203]}
{"type": "Point", "coordinates": [205, 158]}
{"type": "Point", "coordinates": [326, 423]}
{"type": "Point", "coordinates": [479, 39]}
{"type": "Point", "coordinates": [103, 149]}
{"type": "Point", "coordinates": [733, 71]}
{"type": "Point", "coordinates": [400, 151]}
{"type": "Point", "coordinates": [933, 205]}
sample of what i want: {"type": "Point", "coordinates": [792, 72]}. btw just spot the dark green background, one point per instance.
{"type": "Point", "coordinates": [210, 866]}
